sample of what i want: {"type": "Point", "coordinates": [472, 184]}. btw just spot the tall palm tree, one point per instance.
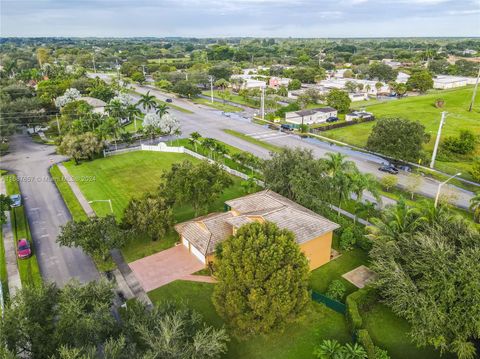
{"type": "Point", "coordinates": [362, 182]}
{"type": "Point", "coordinates": [147, 101]}
{"type": "Point", "coordinates": [161, 110]}
{"type": "Point", "coordinates": [132, 112]}
{"type": "Point", "coordinates": [209, 144]}
{"type": "Point", "coordinates": [194, 138]}
{"type": "Point", "coordinates": [335, 162]}
{"type": "Point", "coordinates": [475, 207]}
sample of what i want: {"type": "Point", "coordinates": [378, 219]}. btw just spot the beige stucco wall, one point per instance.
{"type": "Point", "coordinates": [318, 250]}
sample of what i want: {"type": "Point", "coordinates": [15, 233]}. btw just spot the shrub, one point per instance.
{"type": "Point", "coordinates": [475, 171]}
{"type": "Point", "coordinates": [381, 353]}
{"type": "Point", "coordinates": [354, 319]}
{"type": "Point", "coordinates": [336, 290]}
{"type": "Point", "coordinates": [347, 240]}
{"type": "Point", "coordinates": [364, 339]}
{"type": "Point", "coordinates": [388, 181]}
{"type": "Point", "coordinates": [363, 242]}
{"type": "Point", "coordinates": [462, 145]}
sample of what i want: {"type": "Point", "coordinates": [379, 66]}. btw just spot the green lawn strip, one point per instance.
{"type": "Point", "coordinates": [244, 137]}
{"type": "Point", "coordinates": [27, 268]}
{"type": "Point", "coordinates": [297, 340]}
{"type": "Point", "coordinates": [76, 210]}
{"type": "Point", "coordinates": [131, 126]}
{"type": "Point", "coordinates": [217, 105]}
{"type": "Point", "coordinates": [320, 278]}
{"type": "Point", "coordinates": [390, 332]}
{"type": "Point", "coordinates": [420, 108]}
{"type": "Point", "coordinates": [128, 175]}
{"type": "Point", "coordinates": [232, 98]}
{"type": "Point", "coordinates": [3, 268]}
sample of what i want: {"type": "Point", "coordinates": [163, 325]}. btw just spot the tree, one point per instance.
{"type": "Point", "coordinates": [138, 77]}
{"type": "Point", "coordinates": [78, 147]}
{"type": "Point", "coordinates": [381, 72]}
{"type": "Point", "coordinates": [262, 279]}
{"type": "Point", "coordinates": [398, 138]}
{"type": "Point", "coordinates": [198, 185]}
{"type": "Point", "coordinates": [149, 214]}
{"type": "Point", "coordinates": [336, 290]}
{"type": "Point", "coordinates": [425, 275]}
{"type": "Point", "coordinates": [5, 203]}
{"type": "Point", "coordinates": [162, 109]}
{"type": "Point", "coordinates": [339, 100]}
{"type": "Point", "coordinates": [96, 235]}
{"type": "Point", "coordinates": [294, 84]}
{"type": "Point", "coordinates": [475, 171]}
{"type": "Point", "coordinates": [462, 145]}
{"type": "Point", "coordinates": [221, 71]}
{"type": "Point", "coordinates": [147, 101]}
{"type": "Point", "coordinates": [388, 181]}
{"type": "Point", "coordinates": [186, 88]}
{"type": "Point", "coordinates": [475, 207]}
{"type": "Point", "coordinates": [413, 184]}
{"type": "Point", "coordinates": [420, 81]}
{"type": "Point", "coordinates": [328, 349]}
{"type": "Point", "coordinates": [194, 139]}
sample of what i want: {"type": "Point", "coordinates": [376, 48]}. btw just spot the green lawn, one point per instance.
{"type": "Point", "coordinates": [28, 268]}
{"type": "Point", "coordinates": [3, 268]}
{"type": "Point", "coordinates": [131, 126]}
{"type": "Point", "coordinates": [128, 175]}
{"type": "Point", "coordinates": [232, 98]}
{"type": "Point", "coordinates": [295, 342]}
{"type": "Point", "coordinates": [321, 277]}
{"type": "Point", "coordinates": [391, 333]}
{"type": "Point", "coordinates": [217, 105]}
{"type": "Point", "coordinates": [171, 105]}
{"type": "Point", "coordinates": [420, 108]}
{"type": "Point", "coordinates": [244, 137]}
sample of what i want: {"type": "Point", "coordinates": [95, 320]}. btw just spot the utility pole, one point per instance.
{"type": "Point", "coordinates": [262, 103]}
{"type": "Point", "coordinates": [437, 141]}
{"type": "Point", "coordinates": [118, 71]}
{"type": "Point", "coordinates": [474, 91]}
{"type": "Point", "coordinates": [94, 67]}
{"type": "Point", "coordinates": [144, 73]}
{"type": "Point", "coordinates": [58, 126]}
{"type": "Point", "coordinates": [211, 87]}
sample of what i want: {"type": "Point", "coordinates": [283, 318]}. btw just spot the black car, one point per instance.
{"type": "Point", "coordinates": [286, 127]}
{"type": "Point", "coordinates": [332, 119]}
{"type": "Point", "coordinates": [169, 100]}
{"type": "Point", "coordinates": [389, 169]}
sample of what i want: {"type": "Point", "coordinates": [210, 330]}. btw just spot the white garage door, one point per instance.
{"type": "Point", "coordinates": [197, 253]}
{"type": "Point", "coordinates": [184, 242]}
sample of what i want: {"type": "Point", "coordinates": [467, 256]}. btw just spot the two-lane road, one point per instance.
{"type": "Point", "coordinates": [46, 212]}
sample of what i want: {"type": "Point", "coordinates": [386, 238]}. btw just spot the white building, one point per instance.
{"type": "Point", "coordinates": [355, 97]}
{"type": "Point", "coordinates": [358, 115]}
{"type": "Point", "coordinates": [402, 78]}
{"type": "Point", "coordinates": [311, 116]}
{"type": "Point", "coordinates": [369, 86]}
{"type": "Point", "coordinates": [444, 82]}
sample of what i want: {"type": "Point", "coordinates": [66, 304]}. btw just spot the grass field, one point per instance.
{"type": "Point", "coordinates": [3, 268]}
{"type": "Point", "coordinates": [124, 176]}
{"type": "Point", "coordinates": [27, 268]}
{"type": "Point", "coordinates": [244, 137]}
{"type": "Point", "coordinates": [296, 341]}
{"type": "Point", "coordinates": [421, 108]}
{"type": "Point", "coordinates": [232, 98]}
{"type": "Point", "coordinates": [216, 105]}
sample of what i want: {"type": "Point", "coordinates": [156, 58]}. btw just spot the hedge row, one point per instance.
{"type": "Point", "coordinates": [341, 124]}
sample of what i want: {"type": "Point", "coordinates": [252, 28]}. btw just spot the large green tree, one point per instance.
{"type": "Point", "coordinates": [83, 146]}
{"type": "Point", "coordinates": [398, 138]}
{"type": "Point", "coordinates": [339, 100]}
{"type": "Point", "coordinates": [262, 279]}
{"type": "Point", "coordinates": [420, 81]}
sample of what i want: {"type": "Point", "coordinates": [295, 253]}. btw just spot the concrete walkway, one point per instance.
{"type": "Point", "coordinates": [76, 191]}
{"type": "Point", "coordinates": [13, 276]}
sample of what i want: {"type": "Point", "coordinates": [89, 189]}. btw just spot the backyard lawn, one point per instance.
{"type": "Point", "coordinates": [420, 108]}
{"type": "Point", "coordinates": [296, 341]}
{"type": "Point", "coordinates": [128, 175]}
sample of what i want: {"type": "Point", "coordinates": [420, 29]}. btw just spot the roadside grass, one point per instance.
{"type": "Point", "coordinates": [266, 145]}
{"type": "Point", "coordinates": [171, 105]}
{"type": "Point", "coordinates": [27, 268]}
{"type": "Point", "coordinates": [297, 340]}
{"type": "Point", "coordinates": [216, 105]}
{"type": "Point", "coordinates": [3, 268]}
{"type": "Point", "coordinates": [232, 98]}
{"type": "Point", "coordinates": [122, 177]}
{"type": "Point", "coordinates": [421, 108]}
{"type": "Point", "coordinates": [321, 278]}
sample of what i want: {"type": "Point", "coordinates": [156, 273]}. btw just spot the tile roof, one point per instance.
{"type": "Point", "coordinates": [205, 232]}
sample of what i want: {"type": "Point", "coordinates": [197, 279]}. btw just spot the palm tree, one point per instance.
{"type": "Point", "coordinates": [475, 207]}
{"type": "Point", "coordinates": [329, 349]}
{"type": "Point", "coordinates": [177, 132]}
{"type": "Point", "coordinates": [194, 138]}
{"type": "Point", "coordinates": [354, 351]}
{"type": "Point", "coordinates": [132, 112]}
{"type": "Point", "coordinates": [336, 163]}
{"type": "Point", "coordinates": [162, 109]}
{"type": "Point", "coordinates": [115, 109]}
{"type": "Point", "coordinates": [209, 144]}
{"type": "Point", "coordinates": [147, 101]}
{"type": "Point", "coordinates": [365, 182]}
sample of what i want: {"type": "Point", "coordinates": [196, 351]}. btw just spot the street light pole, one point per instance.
{"type": "Point", "coordinates": [211, 87]}
{"type": "Point", "coordinates": [262, 104]}
{"type": "Point", "coordinates": [437, 140]}
{"type": "Point", "coordinates": [440, 187]}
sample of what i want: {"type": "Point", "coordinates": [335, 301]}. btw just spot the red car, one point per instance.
{"type": "Point", "coordinates": [23, 249]}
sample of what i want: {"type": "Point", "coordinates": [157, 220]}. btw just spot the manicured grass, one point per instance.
{"type": "Point", "coordinates": [232, 98]}
{"type": "Point", "coordinates": [128, 175]}
{"type": "Point", "coordinates": [76, 210]}
{"type": "Point", "coordinates": [420, 108]}
{"type": "Point", "coordinates": [27, 268]}
{"type": "Point", "coordinates": [3, 268]}
{"type": "Point", "coordinates": [217, 105]}
{"type": "Point", "coordinates": [244, 137]}
{"type": "Point", "coordinates": [391, 333]}
{"type": "Point", "coordinates": [131, 126]}
{"type": "Point", "coordinates": [296, 341]}
{"type": "Point", "coordinates": [321, 277]}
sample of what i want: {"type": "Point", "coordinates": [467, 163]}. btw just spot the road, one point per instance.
{"type": "Point", "coordinates": [46, 212]}
{"type": "Point", "coordinates": [211, 123]}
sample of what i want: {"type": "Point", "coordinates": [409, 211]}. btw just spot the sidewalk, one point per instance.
{"type": "Point", "coordinates": [14, 282]}
{"type": "Point", "coordinates": [76, 191]}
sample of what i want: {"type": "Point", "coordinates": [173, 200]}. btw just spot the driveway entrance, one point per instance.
{"type": "Point", "coordinates": [165, 267]}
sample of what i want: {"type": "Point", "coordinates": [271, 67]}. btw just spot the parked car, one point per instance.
{"type": "Point", "coordinates": [23, 249]}
{"type": "Point", "coordinates": [16, 200]}
{"type": "Point", "coordinates": [389, 169]}
{"type": "Point", "coordinates": [286, 127]}
{"type": "Point", "coordinates": [169, 100]}
{"type": "Point", "coordinates": [332, 119]}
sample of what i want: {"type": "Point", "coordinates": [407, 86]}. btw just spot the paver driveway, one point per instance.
{"type": "Point", "coordinates": [165, 267]}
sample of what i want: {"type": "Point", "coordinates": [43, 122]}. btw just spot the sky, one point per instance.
{"type": "Point", "coordinates": [240, 18]}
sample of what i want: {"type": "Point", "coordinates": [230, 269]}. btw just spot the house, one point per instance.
{"type": "Point", "coordinates": [443, 82]}
{"type": "Point", "coordinates": [310, 116]}
{"type": "Point", "coordinates": [402, 78]}
{"type": "Point", "coordinates": [276, 82]}
{"type": "Point", "coordinates": [469, 52]}
{"type": "Point", "coordinates": [97, 104]}
{"type": "Point", "coordinates": [393, 64]}
{"type": "Point", "coordinates": [358, 96]}
{"type": "Point", "coordinates": [313, 232]}
{"type": "Point", "coordinates": [248, 82]}
{"type": "Point", "coordinates": [357, 115]}
{"type": "Point", "coordinates": [367, 86]}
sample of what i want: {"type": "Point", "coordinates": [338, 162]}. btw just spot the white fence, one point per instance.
{"type": "Point", "coordinates": [162, 147]}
